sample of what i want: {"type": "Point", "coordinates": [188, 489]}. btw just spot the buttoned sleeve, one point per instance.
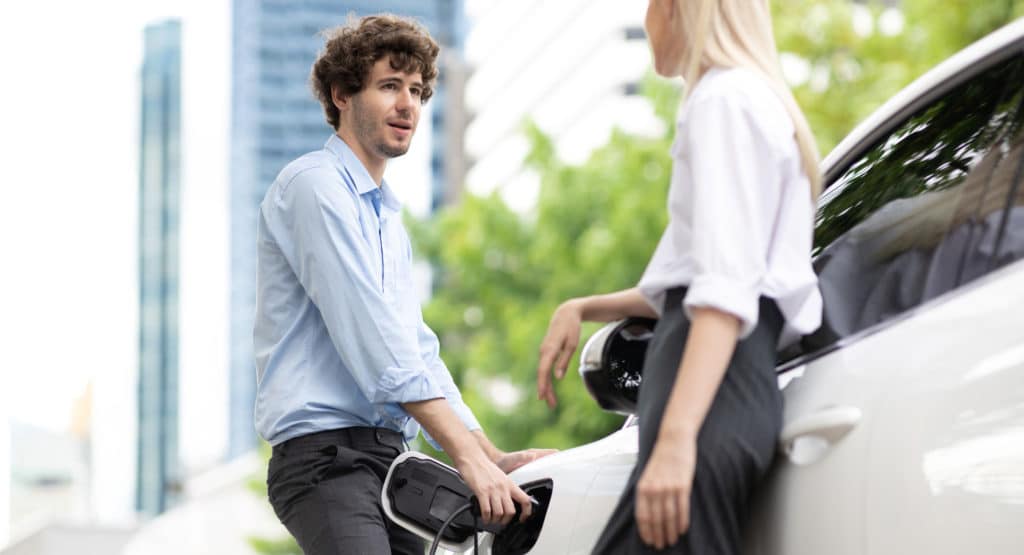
{"type": "Point", "coordinates": [326, 250]}
{"type": "Point", "coordinates": [735, 180]}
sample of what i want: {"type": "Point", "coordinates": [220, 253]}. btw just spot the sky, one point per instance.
{"type": "Point", "coordinates": [68, 156]}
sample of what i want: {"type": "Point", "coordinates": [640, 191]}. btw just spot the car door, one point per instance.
{"type": "Point", "coordinates": [947, 466]}
{"type": "Point", "coordinates": [905, 245]}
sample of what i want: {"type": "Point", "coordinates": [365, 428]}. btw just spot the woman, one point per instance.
{"type": "Point", "coordinates": [730, 280]}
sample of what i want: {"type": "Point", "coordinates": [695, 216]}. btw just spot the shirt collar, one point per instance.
{"type": "Point", "coordinates": [357, 171]}
{"type": "Point", "coordinates": [389, 197]}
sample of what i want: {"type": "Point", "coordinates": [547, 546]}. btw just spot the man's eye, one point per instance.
{"type": "Point", "coordinates": [416, 92]}
{"type": "Point", "coordinates": [389, 86]}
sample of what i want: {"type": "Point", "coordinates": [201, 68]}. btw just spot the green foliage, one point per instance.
{"type": "Point", "coordinates": [852, 74]}
{"type": "Point", "coordinates": [595, 225]}
{"type": "Point", "coordinates": [282, 546]}
{"type": "Point", "coordinates": [503, 274]}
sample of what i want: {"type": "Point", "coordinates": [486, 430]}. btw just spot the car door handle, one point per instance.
{"type": "Point", "coordinates": [829, 424]}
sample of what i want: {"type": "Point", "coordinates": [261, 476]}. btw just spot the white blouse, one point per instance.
{"type": "Point", "coordinates": [740, 209]}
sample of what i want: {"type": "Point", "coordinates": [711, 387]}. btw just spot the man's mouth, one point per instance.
{"type": "Point", "coordinates": [401, 125]}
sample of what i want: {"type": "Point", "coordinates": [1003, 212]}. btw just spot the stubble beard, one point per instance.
{"type": "Point", "coordinates": [367, 127]}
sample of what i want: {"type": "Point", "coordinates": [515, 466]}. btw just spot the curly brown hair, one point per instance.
{"type": "Point", "coordinates": [351, 50]}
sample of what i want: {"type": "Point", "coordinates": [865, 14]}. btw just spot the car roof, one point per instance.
{"type": "Point", "coordinates": [888, 115]}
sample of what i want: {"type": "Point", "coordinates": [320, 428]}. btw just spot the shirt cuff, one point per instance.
{"type": "Point", "coordinates": [403, 385]}
{"type": "Point", "coordinates": [725, 294]}
{"type": "Point", "coordinates": [465, 415]}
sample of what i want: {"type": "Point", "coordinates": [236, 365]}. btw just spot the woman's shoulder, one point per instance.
{"type": "Point", "coordinates": [742, 90]}
{"type": "Point", "coordinates": [735, 83]}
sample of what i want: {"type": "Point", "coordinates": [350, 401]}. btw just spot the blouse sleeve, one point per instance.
{"type": "Point", "coordinates": [733, 170]}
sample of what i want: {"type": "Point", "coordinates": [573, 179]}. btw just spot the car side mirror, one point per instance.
{"type": "Point", "coordinates": [612, 362]}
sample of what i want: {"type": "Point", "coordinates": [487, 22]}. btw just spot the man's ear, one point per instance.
{"type": "Point", "coordinates": [341, 101]}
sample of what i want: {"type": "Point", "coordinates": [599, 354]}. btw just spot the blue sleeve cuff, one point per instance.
{"type": "Point", "coordinates": [404, 385]}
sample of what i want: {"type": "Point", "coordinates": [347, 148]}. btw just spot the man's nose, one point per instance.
{"type": "Point", "coordinates": [406, 101]}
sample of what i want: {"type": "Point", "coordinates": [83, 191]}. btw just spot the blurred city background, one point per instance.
{"type": "Point", "coordinates": [137, 139]}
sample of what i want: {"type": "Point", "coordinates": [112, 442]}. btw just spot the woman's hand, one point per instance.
{"type": "Point", "coordinates": [564, 331]}
{"type": "Point", "coordinates": [508, 462]}
{"type": "Point", "coordinates": [556, 349]}
{"type": "Point", "coordinates": [663, 492]}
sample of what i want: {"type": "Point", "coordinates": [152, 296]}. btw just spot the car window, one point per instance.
{"type": "Point", "coordinates": [1009, 242]}
{"type": "Point", "coordinates": [924, 210]}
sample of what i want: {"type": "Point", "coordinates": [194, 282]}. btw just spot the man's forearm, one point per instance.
{"type": "Point", "coordinates": [441, 422]}
{"type": "Point", "coordinates": [494, 491]}
{"type": "Point", "coordinates": [490, 450]}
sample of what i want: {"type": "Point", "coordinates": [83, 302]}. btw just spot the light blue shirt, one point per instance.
{"type": "Point", "coordinates": [340, 339]}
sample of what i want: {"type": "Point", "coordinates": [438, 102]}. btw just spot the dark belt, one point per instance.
{"type": "Point", "coordinates": [354, 437]}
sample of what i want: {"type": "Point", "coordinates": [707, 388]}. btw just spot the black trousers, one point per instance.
{"type": "Point", "coordinates": [325, 488]}
{"type": "Point", "coordinates": [735, 445]}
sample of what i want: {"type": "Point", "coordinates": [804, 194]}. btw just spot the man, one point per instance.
{"type": "Point", "coordinates": [347, 370]}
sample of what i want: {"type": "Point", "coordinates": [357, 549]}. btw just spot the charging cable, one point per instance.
{"type": "Point", "coordinates": [474, 508]}
{"type": "Point", "coordinates": [467, 507]}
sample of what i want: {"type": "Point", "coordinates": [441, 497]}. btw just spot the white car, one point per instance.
{"type": "Point", "coordinates": [903, 430]}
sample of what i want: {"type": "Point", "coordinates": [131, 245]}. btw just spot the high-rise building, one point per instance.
{"type": "Point", "coordinates": [275, 118]}
{"type": "Point", "coordinates": [572, 67]}
{"type": "Point", "coordinates": [159, 195]}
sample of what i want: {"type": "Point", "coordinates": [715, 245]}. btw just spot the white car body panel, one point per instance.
{"type": "Point", "coordinates": [587, 482]}
{"type": "Point", "coordinates": [902, 468]}
{"type": "Point", "coordinates": [949, 465]}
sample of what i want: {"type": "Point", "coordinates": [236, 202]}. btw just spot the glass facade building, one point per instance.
{"type": "Point", "coordinates": [159, 197]}
{"type": "Point", "coordinates": [275, 119]}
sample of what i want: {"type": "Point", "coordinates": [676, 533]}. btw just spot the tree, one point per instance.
{"type": "Point", "coordinates": [852, 74]}
{"type": "Point", "coordinates": [594, 229]}
{"type": "Point", "coordinates": [596, 224]}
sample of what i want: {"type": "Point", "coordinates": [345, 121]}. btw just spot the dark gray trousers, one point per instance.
{"type": "Point", "coordinates": [735, 445]}
{"type": "Point", "coordinates": [325, 488]}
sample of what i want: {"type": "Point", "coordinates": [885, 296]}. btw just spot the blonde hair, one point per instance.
{"type": "Point", "coordinates": [738, 33]}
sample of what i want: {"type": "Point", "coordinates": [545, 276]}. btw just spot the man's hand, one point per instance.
{"type": "Point", "coordinates": [508, 462]}
{"type": "Point", "coordinates": [494, 490]}
{"type": "Point", "coordinates": [663, 492]}
{"type": "Point", "coordinates": [473, 455]}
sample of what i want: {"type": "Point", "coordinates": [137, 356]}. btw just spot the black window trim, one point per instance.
{"type": "Point", "coordinates": [983, 64]}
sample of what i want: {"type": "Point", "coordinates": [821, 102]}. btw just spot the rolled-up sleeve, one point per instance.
{"type": "Point", "coordinates": [734, 175]}
{"type": "Point", "coordinates": [330, 257]}
{"type": "Point", "coordinates": [430, 352]}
